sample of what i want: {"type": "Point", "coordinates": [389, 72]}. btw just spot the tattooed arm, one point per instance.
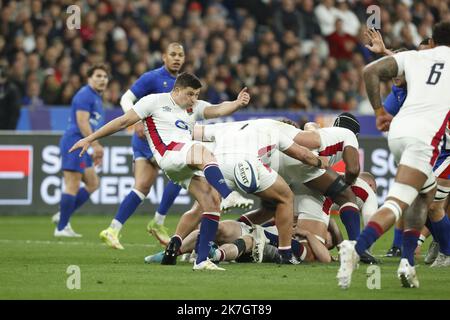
{"type": "Point", "coordinates": [383, 69]}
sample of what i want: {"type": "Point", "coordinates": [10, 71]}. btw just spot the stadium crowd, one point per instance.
{"type": "Point", "coordinates": [292, 54]}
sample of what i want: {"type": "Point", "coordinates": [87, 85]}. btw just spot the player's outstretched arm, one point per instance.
{"type": "Point", "coordinates": [85, 129]}
{"type": "Point", "coordinates": [127, 101]}
{"type": "Point", "coordinates": [228, 107]}
{"type": "Point", "coordinates": [306, 156]}
{"type": "Point", "coordinates": [351, 160]}
{"type": "Point", "coordinates": [129, 118]}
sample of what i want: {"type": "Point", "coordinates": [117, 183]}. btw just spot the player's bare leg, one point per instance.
{"type": "Point", "coordinates": [408, 183]}
{"type": "Point", "coordinates": [189, 220]}
{"type": "Point", "coordinates": [282, 195]}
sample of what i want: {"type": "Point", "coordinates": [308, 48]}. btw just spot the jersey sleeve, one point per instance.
{"type": "Point", "coordinates": [284, 142]}
{"type": "Point", "coordinates": [146, 106]}
{"type": "Point", "coordinates": [401, 58]}
{"type": "Point", "coordinates": [83, 102]}
{"type": "Point", "coordinates": [144, 85]}
{"type": "Point", "coordinates": [290, 130]}
{"type": "Point", "coordinates": [199, 109]}
{"type": "Point", "coordinates": [350, 140]}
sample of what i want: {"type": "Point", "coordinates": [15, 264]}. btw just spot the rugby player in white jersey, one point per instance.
{"type": "Point", "coordinates": [244, 144]}
{"type": "Point", "coordinates": [415, 135]}
{"type": "Point", "coordinates": [169, 119]}
{"type": "Point", "coordinates": [336, 143]}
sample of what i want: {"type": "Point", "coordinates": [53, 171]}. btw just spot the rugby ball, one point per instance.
{"type": "Point", "coordinates": [246, 176]}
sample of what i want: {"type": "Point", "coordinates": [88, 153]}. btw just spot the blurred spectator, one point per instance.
{"type": "Point", "coordinates": [286, 17]}
{"type": "Point", "coordinates": [51, 89]}
{"type": "Point", "coordinates": [280, 100]}
{"type": "Point", "coordinates": [326, 14]}
{"type": "Point", "coordinates": [405, 21]}
{"type": "Point", "coordinates": [32, 100]}
{"type": "Point", "coordinates": [310, 26]}
{"type": "Point", "coordinates": [350, 21]}
{"type": "Point", "coordinates": [341, 44]}
{"type": "Point", "coordinates": [9, 100]}
{"type": "Point", "coordinates": [290, 53]}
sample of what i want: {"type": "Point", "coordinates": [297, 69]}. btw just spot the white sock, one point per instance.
{"type": "Point", "coordinates": [115, 225]}
{"type": "Point", "coordinates": [159, 218]}
{"type": "Point", "coordinates": [421, 240]}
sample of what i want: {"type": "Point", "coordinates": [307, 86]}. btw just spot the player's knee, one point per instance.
{"type": "Point", "coordinates": [436, 210]}
{"type": "Point", "coordinates": [284, 195]}
{"type": "Point", "coordinates": [92, 185]}
{"type": "Point", "coordinates": [394, 206]}
{"type": "Point", "coordinates": [222, 233]}
{"type": "Point", "coordinates": [208, 157]}
{"type": "Point", "coordinates": [142, 186]}
{"type": "Point", "coordinates": [210, 203]}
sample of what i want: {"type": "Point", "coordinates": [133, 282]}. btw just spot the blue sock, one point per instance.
{"type": "Point", "coordinates": [268, 224]}
{"type": "Point", "coordinates": [441, 234]}
{"type": "Point", "coordinates": [170, 193]}
{"type": "Point", "coordinates": [215, 178]}
{"type": "Point", "coordinates": [410, 238]}
{"type": "Point", "coordinates": [82, 197]}
{"type": "Point", "coordinates": [350, 217]}
{"type": "Point", "coordinates": [369, 235]}
{"type": "Point", "coordinates": [273, 238]}
{"type": "Point", "coordinates": [398, 238]}
{"type": "Point", "coordinates": [429, 226]}
{"type": "Point", "coordinates": [297, 248]}
{"type": "Point", "coordinates": [208, 229]}
{"type": "Point", "coordinates": [128, 205]}
{"type": "Point", "coordinates": [67, 207]}
{"type": "Point", "coordinates": [286, 254]}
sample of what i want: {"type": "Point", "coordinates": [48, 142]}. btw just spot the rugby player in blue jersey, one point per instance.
{"type": "Point", "coordinates": [85, 117]}
{"type": "Point", "coordinates": [159, 80]}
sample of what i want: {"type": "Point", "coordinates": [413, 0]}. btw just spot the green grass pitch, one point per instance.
{"type": "Point", "coordinates": [34, 266]}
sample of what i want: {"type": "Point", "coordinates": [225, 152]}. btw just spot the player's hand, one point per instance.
{"type": "Point", "coordinates": [139, 129]}
{"type": "Point", "coordinates": [383, 121]}
{"type": "Point", "coordinates": [302, 233]}
{"type": "Point", "coordinates": [97, 156]}
{"type": "Point", "coordinates": [325, 162]}
{"type": "Point", "coordinates": [243, 98]}
{"type": "Point", "coordinates": [83, 144]}
{"type": "Point", "coordinates": [376, 44]}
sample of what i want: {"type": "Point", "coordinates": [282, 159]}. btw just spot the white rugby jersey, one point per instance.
{"type": "Point", "coordinates": [255, 138]}
{"type": "Point", "coordinates": [167, 124]}
{"type": "Point", "coordinates": [333, 141]}
{"type": "Point", "coordinates": [425, 112]}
